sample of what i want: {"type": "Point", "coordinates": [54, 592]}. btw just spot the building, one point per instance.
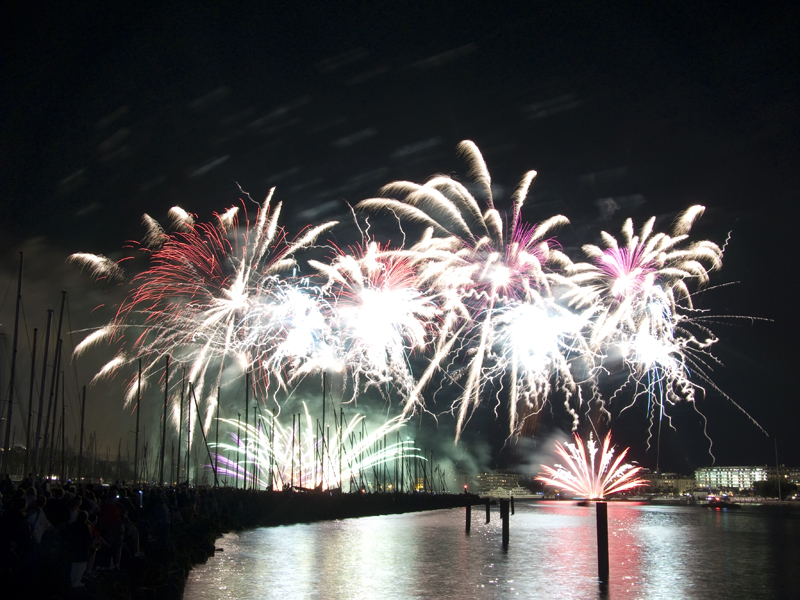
{"type": "Point", "coordinates": [669, 483]}
{"type": "Point", "coordinates": [498, 479]}
{"type": "Point", "coordinates": [731, 478]}
{"type": "Point", "coordinates": [791, 475]}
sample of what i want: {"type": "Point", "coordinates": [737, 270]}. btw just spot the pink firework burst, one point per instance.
{"type": "Point", "coordinates": [626, 270]}
{"type": "Point", "coordinates": [588, 475]}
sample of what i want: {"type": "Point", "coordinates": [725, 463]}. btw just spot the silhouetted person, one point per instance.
{"type": "Point", "coordinates": [79, 543]}
{"type": "Point", "coordinates": [37, 520]}
{"type": "Point", "coordinates": [7, 486]}
{"type": "Point", "coordinates": [112, 525]}
{"type": "Point", "coordinates": [15, 534]}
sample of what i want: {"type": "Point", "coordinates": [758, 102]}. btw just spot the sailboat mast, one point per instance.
{"type": "Point", "coordinates": [164, 424]}
{"type": "Point", "coordinates": [30, 404]}
{"type": "Point", "coordinates": [9, 412]}
{"type": "Point", "coordinates": [138, 410]}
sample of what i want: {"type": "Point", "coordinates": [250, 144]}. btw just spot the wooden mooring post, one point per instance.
{"type": "Point", "coordinates": [601, 509]}
{"type": "Point", "coordinates": [505, 512]}
{"type": "Point", "coordinates": [504, 518]}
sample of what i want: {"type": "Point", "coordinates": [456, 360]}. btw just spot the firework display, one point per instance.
{"type": "Point", "coordinates": [482, 307]}
{"type": "Point", "coordinates": [213, 291]}
{"type": "Point", "coordinates": [480, 272]}
{"type": "Point", "coordinates": [272, 455]}
{"type": "Point", "coordinates": [382, 316]}
{"type": "Point", "coordinates": [591, 476]}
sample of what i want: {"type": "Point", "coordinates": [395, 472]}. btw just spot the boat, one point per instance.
{"type": "Point", "coordinates": [521, 493]}
{"type": "Point", "coordinates": [721, 503]}
{"type": "Point", "coordinates": [518, 493]}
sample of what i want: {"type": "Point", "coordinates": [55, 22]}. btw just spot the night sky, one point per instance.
{"type": "Point", "coordinates": [109, 113]}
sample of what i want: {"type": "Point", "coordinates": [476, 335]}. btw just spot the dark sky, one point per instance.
{"type": "Point", "coordinates": [111, 112]}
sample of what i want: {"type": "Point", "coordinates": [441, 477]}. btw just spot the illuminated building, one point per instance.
{"type": "Point", "coordinates": [498, 479]}
{"type": "Point", "coordinates": [731, 478]}
{"type": "Point", "coordinates": [791, 475]}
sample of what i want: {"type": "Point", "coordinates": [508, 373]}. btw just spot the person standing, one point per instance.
{"type": "Point", "coordinates": [80, 545]}
{"type": "Point", "coordinates": [112, 526]}
{"type": "Point", "coordinates": [38, 520]}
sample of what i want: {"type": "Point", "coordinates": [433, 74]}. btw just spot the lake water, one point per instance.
{"type": "Point", "coordinates": [655, 552]}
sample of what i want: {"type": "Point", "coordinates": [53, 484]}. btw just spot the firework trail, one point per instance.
{"type": "Point", "coordinates": [482, 275]}
{"type": "Point", "coordinates": [204, 282]}
{"type": "Point", "coordinates": [349, 453]}
{"type": "Point", "coordinates": [588, 477]}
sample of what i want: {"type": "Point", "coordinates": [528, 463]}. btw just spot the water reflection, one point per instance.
{"type": "Point", "coordinates": [656, 552]}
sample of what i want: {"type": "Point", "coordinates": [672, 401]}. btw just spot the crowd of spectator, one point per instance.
{"type": "Point", "coordinates": [55, 536]}
{"type": "Point", "coordinates": [114, 541]}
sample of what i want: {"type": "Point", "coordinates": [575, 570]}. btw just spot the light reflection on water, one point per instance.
{"type": "Point", "coordinates": [655, 552]}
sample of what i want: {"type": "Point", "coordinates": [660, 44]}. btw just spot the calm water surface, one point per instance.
{"type": "Point", "coordinates": [656, 552]}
